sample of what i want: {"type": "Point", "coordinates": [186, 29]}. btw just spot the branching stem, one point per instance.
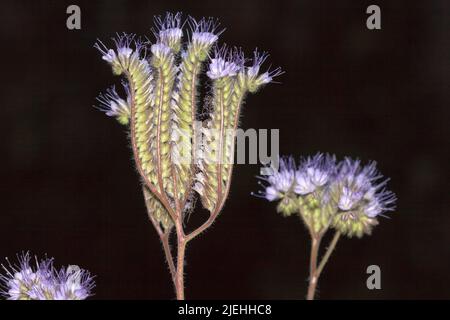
{"type": "Point", "coordinates": [315, 269]}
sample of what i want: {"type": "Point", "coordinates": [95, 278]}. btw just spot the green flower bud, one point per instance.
{"type": "Point", "coordinates": [287, 206]}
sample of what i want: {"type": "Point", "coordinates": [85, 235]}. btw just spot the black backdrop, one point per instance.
{"type": "Point", "coordinates": [69, 188]}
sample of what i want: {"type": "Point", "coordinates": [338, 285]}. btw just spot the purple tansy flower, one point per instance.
{"type": "Point", "coordinates": [119, 58]}
{"type": "Point", "coordinates": [42, 281]}
{"type": "Point", "coordinates": [168, 30]}
{"type": "Point", "coordinates": [18, 280]}
{"type": "Point", "coordinates": [226, 63]}
{"type": "Point", "coordinates": [254, 78]}
{"type": "Point", "coordinates": [74, 284]}
{"type": "Point", "coordinates": [219, 68]}
{"type": "Point", "coordinates": [204, 32]}
{"type": "Point", "coordinates": [109, 55]}
{"type": "Point", "coordinates": [114, 106]}
{"type": "Point", "coordinates": [170, 36]}
{"type": "Point", "coordinates": [258, 60]}
{"type": "Point", "coordinates": [280, 181]}
{"type": "Point", "coordinates": [360, 188]}
{"type": "Point", "coordinates": [160, 50]}
{"type": "Point", "coordinates": [314, 172]}
{"type": "Point", "coordinates": [123, 44]}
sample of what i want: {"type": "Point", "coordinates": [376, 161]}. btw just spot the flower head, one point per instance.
{"type": "Point", "coordinates": [75, 284]}
{"type": "Point", "coordinates": [42, 281]}
{"type": "Point", "coordinates": [114, 106]}
{"type": "Point", "coordinates": [162, 54]}
{"type": "Point", "coordinates": [280, 182]}
{"type": "Point", "coordinates": [360, 197]}
{"type": "Point", "coordinates": [254, 79]}
{"type": "Point", "coordinates": [168, 30]}
{"type": "Point", "coordinates": [119, 58]}
{"type": "Point", "coordinates": [205, 33]}
{"type": "Point", "coordinates": [226, 63]}
{"type": "Point", "coordinates": [160, 50]}
{"type": "Point", "coordinates": [361, 187]}
{"type": "Point", "coordinates": [314, 172]}
{"type": "Point", "coordinates": [346, 196]}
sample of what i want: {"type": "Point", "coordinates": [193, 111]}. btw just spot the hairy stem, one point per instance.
{"type": "Point", "coordinates": [168, 254]}
{"type": "Point", "coordinates": [164, 236]}
{"type": "Point", "coordinates": [315, 271]}
{"type": "Point", "coordinates": [313, 278]}
{"type": "Point", "coordinates": [181, 248]}
{"type": "Point", "coordinates": [204, 226]}
{"type": "Point", "coordinates": [327, 254]}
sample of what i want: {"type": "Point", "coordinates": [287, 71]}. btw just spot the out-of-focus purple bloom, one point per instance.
{"type": "Point", "coordinates": [160, 50]}
{"type": "Point", "coordinates": [361, 189]}
{"type": "Point", "coordinates": [41, 281]}
{"type": "Point", "coordinates": [314, 172]}
{"type": "Point", "coordinates": [280, 182]}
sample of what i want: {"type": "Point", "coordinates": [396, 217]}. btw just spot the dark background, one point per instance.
{"type": "Point", "coordinates": [69, 187]}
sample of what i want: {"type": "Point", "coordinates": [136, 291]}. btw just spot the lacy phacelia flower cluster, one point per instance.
{"type": "Point", "coordinates": [42, 281]}
{"type": "Point", "coordinates": [161, 83]}
{"type": "Point", "coordinates": [346, 196]}
{"type": "Point", "coordinates": [181, 144]}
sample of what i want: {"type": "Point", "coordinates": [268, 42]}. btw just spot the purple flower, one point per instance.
{"type": "Point", "coordinates": [314, 172]}
{"type": "Point", "coordinates": [204, 32]}
{"type": "Point", "coordinates": [280, 182]}
{"type": "Point", "coordinates": [360, 188]}
{"type": "Point", "coordinates": [226, 63]}
{"type": "Point", "coordinates": [42, 281]}
{"type": "Point", "coordinates": [258, 60]}
{"type": "Point", "coordinates": [74, 284]}
{"type": "Point", "coordinates": [113, 105]}
{"type": "Point", "coordinates": [255, 79]}
{"type": "Point", "coordinates": [160, 50]}
{"type": "Point", "coordinates": [123, 49]}
{"type": "Point", "coordinates": [219, 68]}
{"type": "Point", "coordinates": [168, 30]}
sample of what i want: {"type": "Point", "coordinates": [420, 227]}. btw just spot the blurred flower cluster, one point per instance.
{"type": "Point", "coordinates": [42, 281]}
{"type": "Point", "coordinates": [346, 196]}
{"type": "Point", "coordinates": [343, 195]}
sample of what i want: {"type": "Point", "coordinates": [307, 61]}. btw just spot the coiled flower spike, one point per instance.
{"type": "Point", "coordinates": [173, 154]}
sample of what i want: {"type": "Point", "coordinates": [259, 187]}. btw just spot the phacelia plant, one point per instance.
{"type": "Point", "coordinates": [344, 196]}
{"type": "Point", "coordinates": [42, 281]}
{"type": "Point", "coordinates": [176, 154]}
